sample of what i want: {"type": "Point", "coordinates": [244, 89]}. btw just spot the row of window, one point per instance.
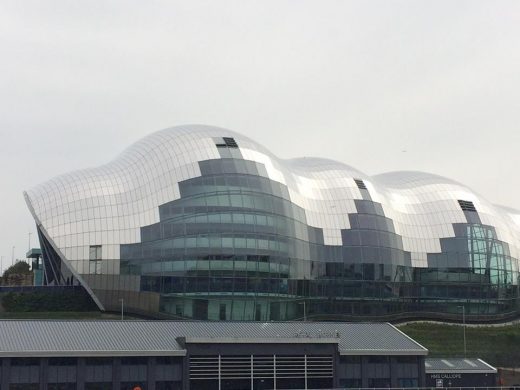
{"type": "Point", "coordinates": [230, 182]}
{"type": "Point", "coordinates": [332, 288]}
{"type": "Point", "coordinates": [159, 385]}
{"type": "Point", "coordinates": [378, 383]}
{"type": "Point", "coordinates": [267, 245]}
{"type": "Point", "coordinates": [281, 246]}
{"type": "Point", "coordinates": [229, 201]}
{"type": "Point", "coordinates": [94, 361]}
{"type": "Point", "coordinates": [317, 270]}
{"type": "Point", "coordinates": [270, 309]}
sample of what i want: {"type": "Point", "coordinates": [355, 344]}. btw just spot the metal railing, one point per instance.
{"type": "Point", "coordinates": [513, 387]}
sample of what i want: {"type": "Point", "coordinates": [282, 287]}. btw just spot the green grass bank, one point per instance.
{"type": "Point", "coordinates": [497, 345]}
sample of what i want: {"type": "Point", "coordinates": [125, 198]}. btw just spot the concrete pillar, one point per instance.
{"type": "Point", "coordinates": [394, 380]}
{"type": "Point", "coordinates": [44, 370]}
{"type": "Point", "coordinates": [336, 363]}
{"type": "Point", "coordinates": [6, 373]}
{"type": "Point", "coordinates": [186, 372]}
{"type": "Point", "coordinates": [80, 374]}
{"type": "Point", "coordinates": [422, 371]}
{"type": "Point", "coordinates": [150, 373]}
{"type": "Point", "coordinates": [364, 371]}
{"type": "Point", "coordinates": [116, 373]}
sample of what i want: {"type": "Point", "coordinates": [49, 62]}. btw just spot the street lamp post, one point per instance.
{"type": "Point", "coordinates": [29, 246]}
{"type": "Point", "coordinates": [464, 326]}
{"type": "Point", "coordinates": [12, 255]}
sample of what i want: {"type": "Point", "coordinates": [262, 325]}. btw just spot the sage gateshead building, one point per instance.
{"type": "Point", "coordinates": [200, 222]}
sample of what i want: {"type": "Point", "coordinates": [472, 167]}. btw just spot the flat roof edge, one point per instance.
{"type": "Point", "coordinates": [268, 340]}
{"type": "Point", "coordinates": [389, 352]}
{"type": "Point", "coordinates": [463, 371]}
{"type": "Point", "coordinates": [180, 352]}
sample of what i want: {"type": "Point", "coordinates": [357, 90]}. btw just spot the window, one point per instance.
{"type": "Point", "coordinates": [378, 359]}
{"type": "Point", "coordinates": [62, 361]}
{"type": "Point", "coordinates": [25, 362]}
{"type": "Point", "coordinates": [95, 259]}
{"type": "Point", "coordinates": [350, 359]}
{"type": "Point", "coordinates": [164, 360]}
{"type": "Point", "coordinates": [408, 382]}
{"type": "Point", "coordinates": [95, 253]}
{"type": "Point", "coordinates": [61, 386]}
{"type": "Point", "coordinates": [98, 386]}
{"type": "Point", "coordinates": [132, 385]}
{"type": "Point", "coordinates": [134, 360]}
{"type": "Point", "coordinates": [222, 314]}
{"type": "Point", "coordinates": [168, 385]}
{"type": "Point", "coordinates": [350, 383]}
{"type": "Point", "coordinates": [406, 359]}
{"type": "Point", "coordinates": [379, 382]}
{"type": "Point", "coordinates": [98, 361]}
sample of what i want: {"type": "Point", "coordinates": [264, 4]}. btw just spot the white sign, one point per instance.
{"type": "Point", "coordinates": [445, 376]}
{"type": "Point", "coordinates": [317, 335]}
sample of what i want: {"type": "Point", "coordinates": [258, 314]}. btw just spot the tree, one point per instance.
{"type": "Point", "coordinates": [18, 268]}
{"type": "Point", "coordinates": [17, 275]}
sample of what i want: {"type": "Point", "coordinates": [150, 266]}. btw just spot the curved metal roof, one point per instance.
{"type": "Point", "coordinates": [108, 205]}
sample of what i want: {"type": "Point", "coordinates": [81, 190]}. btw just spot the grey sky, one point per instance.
{"type": "Point", "coordinates": [356, 81]}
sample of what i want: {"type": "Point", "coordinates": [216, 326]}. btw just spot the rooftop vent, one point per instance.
{"type": "Point", "coordinates": [361, 185]}
{"type": "Point", "coordinates": [466, 205]}
{"type": "Point", "coordinates": [228, 143]}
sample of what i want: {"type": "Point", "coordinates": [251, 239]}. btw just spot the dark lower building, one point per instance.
{"type": "Point", "coordinates": [459, 372]}
{"type": "Point", "coordinates": [94, 355]}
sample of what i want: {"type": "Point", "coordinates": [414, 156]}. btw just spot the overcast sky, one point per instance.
{"type": "Point", "coordinates": [380, 85]}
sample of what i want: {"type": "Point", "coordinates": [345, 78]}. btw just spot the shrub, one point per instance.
{"type": "Point", "coordinates": [48, 300]}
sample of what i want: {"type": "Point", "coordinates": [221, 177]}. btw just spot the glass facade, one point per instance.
{"type": "Point", "coordinates": [199, 222]}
